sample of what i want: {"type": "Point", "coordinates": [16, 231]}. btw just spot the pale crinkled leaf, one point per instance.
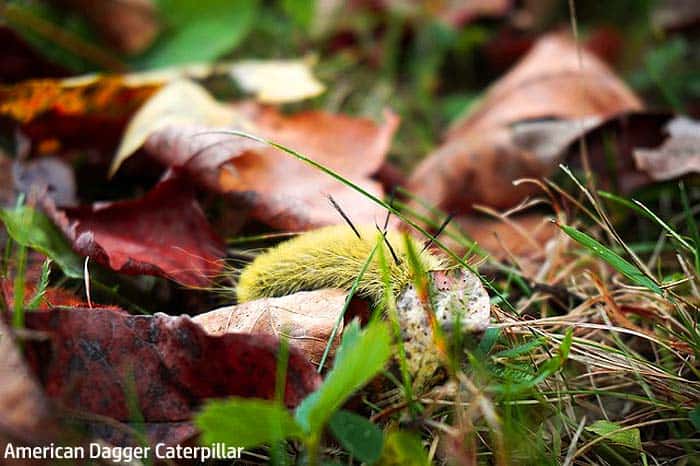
{"type": "Point", "coordinates": [181, 102]}
{"type": "Point", "coordinates": [306, 318]}
{"type": "Point", "coordinates": [277, 81]}
{"type": "Point", "coordinates": [679, 155]}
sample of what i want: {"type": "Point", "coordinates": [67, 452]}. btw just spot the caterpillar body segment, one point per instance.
{"type": "Point", "coordinates": [330, 257]}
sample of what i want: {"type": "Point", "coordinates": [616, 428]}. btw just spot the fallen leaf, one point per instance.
{"type": "Point", "coordinates": [97, 361]}
{"type": "Point", "coordinates": [620, 135]}
{"type": "Point", "coordinates": [306, 318]}
{"type": "Point", "coordinates": [92, 110]}
{"type": "Point", "coordinates": [524, 235]}
{"type": "Point", "coordinates": [164, 233]}
{"type": "Point", "coordinates": [287, 194]}
{"type": "Point", "coordinates": [179, 103]}
{"type": "Point", "coordinates": [177, 127]}
{"type": "Point", "coordinates": [482, 150]}
{"type": "Point", "coordinates": [679, 155]}
{"type": "Point", "coordinates": [277, 81]}
{"type": "Point", "coordinates": [26, 413]}
{"type": "Point", "coordinates": [82, 95]}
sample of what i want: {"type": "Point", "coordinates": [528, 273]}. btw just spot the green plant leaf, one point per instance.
{"type": "Point", "coordinates": [246, 423]}
{"type": "Point", "coordinates": [33, 229]}
{"type": "Point", "coordinates": [361, 355]}
{"type": "Point", "coordinates": [626, 268]}
{"type": "Point", "coordinates": [565, 346]}
{"type": "Point", "coordinates": [200, 31]}
{"type": "Point", "coordinates": [611, 431]}
{"type": "Point", "coordinates": [525, 348]}
{"type": "Point", "coordinates": [360, 437]}
{"type": "Point", "coordinates": [301, 11]}
{"type": "Point", "coordinates": [403, 449]}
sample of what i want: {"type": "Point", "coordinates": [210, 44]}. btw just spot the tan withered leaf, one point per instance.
{"type": "Point", "coordinates": [182, 126]}
{"type": "Point", "coordinates": [277, 81]}
{"type": "Point", "coordinates": [306, 319]}
{"type": "Point", "coordinates": [679, 155]}
{"type": "Point", "coordinates": [285, 193]}
{"type": "Point", "coordinates": [483, 152]}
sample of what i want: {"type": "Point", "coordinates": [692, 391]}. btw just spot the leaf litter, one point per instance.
{"type": "Point", "coordinates": [83, 358]}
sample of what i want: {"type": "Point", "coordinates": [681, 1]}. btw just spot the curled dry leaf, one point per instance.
{"type": "Point", "coordinates": [679, 155]}
{"type": "Point", "coordinates": [164, 233]}
{"type": "Point", "coordinates": [179, 125]}
{"type": "Point", "coordinates": [97, 361]}
{"type": "Point", "coordinates": [484, 150]}
{"type": "Point", "coordinates": [306, 319]}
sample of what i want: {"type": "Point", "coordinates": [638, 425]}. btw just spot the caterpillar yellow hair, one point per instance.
{"type": "Point", "coordinates": [332, 257]}
{"type": "Point", "coordinates": [329, 257]}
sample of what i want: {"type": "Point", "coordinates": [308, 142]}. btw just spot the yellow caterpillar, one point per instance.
{"type": "Point", "coordinates": [330, 257]}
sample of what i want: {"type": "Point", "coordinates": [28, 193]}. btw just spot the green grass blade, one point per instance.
{"type": "Point", "coordinates": [346, 305]}
{"type": "Point", "coordinates": [41, 286]}
{"type": "Point", "coordinates": [626, 268]}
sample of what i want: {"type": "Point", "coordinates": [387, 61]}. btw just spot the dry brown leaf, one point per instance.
{"type": "Point", "coordinates": [679, 155]}
{"type": "Point", "coordinates": [483, 153]}
{"type": "Point", "coordinates": [306, 318]}
{"type": "Point", "coordinates": [179, 125]}
{"type": "Point", "coordinates": [520, 235]}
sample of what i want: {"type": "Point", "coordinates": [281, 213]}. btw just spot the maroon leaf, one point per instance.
{"type": "Point", "coordinates": [164, 233]}
{"type": "Point", "coordinates": [100, 361]}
